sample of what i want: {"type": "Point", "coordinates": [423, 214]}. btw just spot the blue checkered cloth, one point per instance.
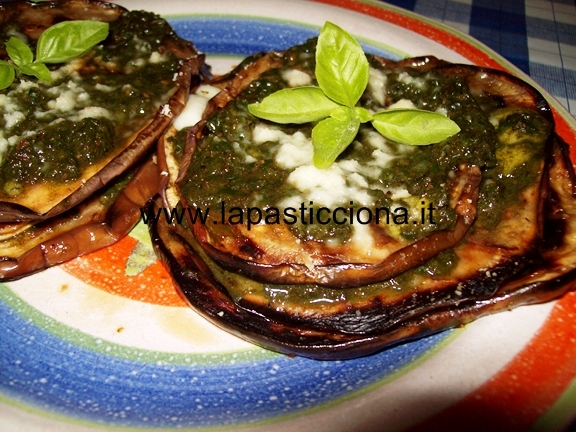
{"type": "Point", "coordinates": [537, 36]}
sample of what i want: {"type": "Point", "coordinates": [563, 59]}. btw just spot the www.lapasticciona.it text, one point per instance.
{"type": "Point", "coordinates": [306, 214]}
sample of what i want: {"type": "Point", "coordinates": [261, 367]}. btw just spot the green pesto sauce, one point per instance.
{"type": "Point", "coordinates": [49, 144]}
{"type": "Point", "coordinates": [509, 154]}
{"type": "Point", "coordinates": [316, 297]}
{"type": "Point", "coordinates": [218, 171]}
{"type": "Point", "coordinates": [45, 156]}
{"type": "Point", "coordinates": [520, 152]}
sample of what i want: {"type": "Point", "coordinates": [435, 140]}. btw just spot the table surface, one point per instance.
{"type": "Point", "coordinates": [538, 36]}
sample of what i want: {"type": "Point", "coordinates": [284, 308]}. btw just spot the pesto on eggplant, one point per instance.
{"type": "Point", "coordinates": [341, 291]}
{"type": "Point", "coordinates": [231, 165]}
{"type": "Point", "coordinates": [52, 132]}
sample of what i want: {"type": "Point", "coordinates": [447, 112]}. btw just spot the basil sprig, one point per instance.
{"type": "Point", "coordinates": [57, 44]}
{"type": "Point", "coordinates": [342, 72]}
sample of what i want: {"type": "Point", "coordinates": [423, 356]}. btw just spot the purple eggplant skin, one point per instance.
{"type": "Point", "coordinates": [97, 222]}
{"type": "Point", "coordinates": [37, 16]}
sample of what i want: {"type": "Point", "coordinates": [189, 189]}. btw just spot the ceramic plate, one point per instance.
{"type": "Point", "coordinates": [105, 342]}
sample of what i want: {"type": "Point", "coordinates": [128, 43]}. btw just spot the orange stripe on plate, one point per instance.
{"type": "Point", "coordinates": [526, 388]}
{"type": "Point", "coordinates": [106, 269]}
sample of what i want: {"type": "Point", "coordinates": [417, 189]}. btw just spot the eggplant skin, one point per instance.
{"type": "Point", "coordinates": [540, 267]}
{"type": "Point", "coordinates": [97, 222]}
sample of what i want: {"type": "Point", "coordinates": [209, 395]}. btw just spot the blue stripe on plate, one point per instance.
{"type": "Point", "coordinates": [51, 374]}
{"type": "Point", "coordinates": [238, 36]}
{"type": "Point", "coordinates": [241, 36]}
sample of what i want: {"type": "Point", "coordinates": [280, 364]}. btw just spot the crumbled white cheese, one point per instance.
{"type": "Point", "coordinates": [293, 201]}
{"type": "Point", "coordinates": [358, 181]}
{"type": "Point", "coordinates": [65, 102]}
{"type": "Point", "coordinates": [344, 181]}
{"type": "Point", "coordinates": [377, 85]}
{"type": "Point", "coordinates": [328, 186]}
{"type": "Point", "coordinates": [398, 193]}
{"type": "Point", "coordinates": [296, 78]}
{"type": "Point", "coordinates": [92, 112]}
{"type": "Point", "coordinates": [134, 65]}
{"type": "Point", "coordinates": [293, 150]}
{"type": "Point", "coordinates": [8, 103]}
{"type": "Point", "coordinates": [195, 107]}
{"type": "Point", "coordinates": [70, 96]}
{"type": "Point", "coordinates": [442, 111]}
{"type": "Point", "coordinates": [104, 88]}
{"type": "Point", "coordinates": [380, 158]}
{"type": "Point", "coordinates": [66, 70]}
{"type": "Point", "coordinates": [350, 165]}
{"type": "Point", "coordinates": [26, 85]}
{"type": "Point", "coordinates": [402, 103]}
{"type": "Point", "coordinates": [262, 134]}
{"type": "Point", "coordinates": [141, 45]}
{"type": "Point", "coordinates": [376, 140]}
{"type": "Point", "coordinates": [13, 118]}
{"type": "Point", "coordinates": [353, 166]}
{"type": "Point", "coordinates": [242, 152]}
{"type": "Point", "coordinates": [406, 78]}
{"type": "Point", "coordinates": [362, 237]}
{"type": "Point", "coordinates": [156, 58]}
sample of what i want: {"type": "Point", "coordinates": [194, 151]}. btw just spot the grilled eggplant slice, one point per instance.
{"type": "Point", "coordinates": [102, 112]}
{"type": "Point", "coordinates": [97, 222]}
{"type": "Point", "coordinates": [68, 146]}
{"type": "Point", "coordinates": [502, 189]}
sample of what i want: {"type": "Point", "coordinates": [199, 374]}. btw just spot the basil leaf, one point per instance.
{"type": "Point", "coordinates": [342, 69]}
{"type": "Point", "coordinates": [7, 74]}
{"type": "Point", "coordinates": [330, 137]}
{"type": "Point", "coordinates": [66, 40]}
{"type": "Point", "coordinates": [39, 70]}
{"type": "Point", "coordinates": [341, 113]}
{"type": "Point", "coordinates": [19, 52]}
{"type": "Point", "coordinates": [363, 114]}
{"type": "Point", "coordinates": [294, 105]}
{"type": "Point", "coordinates": [414, 127]}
